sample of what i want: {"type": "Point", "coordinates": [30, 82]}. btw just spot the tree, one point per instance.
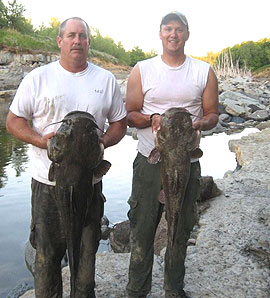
{"type": "Point", "coordinates": [249, 54]}
{"type": "Point", "coordinates": [136, 54]}
{"type": "Point", "coordinates": [3, 12]}
{"type": "Point", "coordinates": [150, 54]}
{"type": "Point", "coordinates": [50, 32]}
{"type": "Point", "coordinates": [14, 19]}
{"type": "Point", "coordinates": [107, 45]}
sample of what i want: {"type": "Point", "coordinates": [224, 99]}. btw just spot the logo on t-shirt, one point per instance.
{"type": "Point", "coordinates": [98, 91]}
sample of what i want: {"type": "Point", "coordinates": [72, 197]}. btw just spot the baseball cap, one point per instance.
{"type": "Point", "coordinates": [174, 15]}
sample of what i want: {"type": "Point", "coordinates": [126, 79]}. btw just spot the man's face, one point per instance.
{"type": "Point", "coordinates": [75, 42]}
{"type": "Point", "coordinates": [173, 36]}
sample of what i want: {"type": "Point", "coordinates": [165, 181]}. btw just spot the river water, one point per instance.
{"type": "Point", "coordinates": [15, 193]}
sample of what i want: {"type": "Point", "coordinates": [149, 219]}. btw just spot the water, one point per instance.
{"type": "Point", "coordinates": [15, 193]}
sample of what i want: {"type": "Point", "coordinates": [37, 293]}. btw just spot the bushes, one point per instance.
{"type": "Point", "coordinates": [12, 17]}
{"type": "Point", "coordinates": [249, 54]}
{"type": "Point", "coordinates": [17, 32]}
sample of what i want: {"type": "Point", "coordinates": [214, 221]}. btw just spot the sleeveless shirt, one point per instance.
{"type": "Point", "coordinates": [164, 87]}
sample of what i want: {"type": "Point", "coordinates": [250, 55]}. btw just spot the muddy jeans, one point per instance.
{"type": "Point", "coordinates": [48, 238]}
{"type": "Point", "coordinates": [144, 215]}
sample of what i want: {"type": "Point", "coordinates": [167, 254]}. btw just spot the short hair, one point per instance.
{"type": "Point", "coordinates": [62, 26]}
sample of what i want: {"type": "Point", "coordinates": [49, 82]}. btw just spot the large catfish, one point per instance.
{"type": "Point", "coordinates": [176, 143]}
{"type": "Point", "coordinates": [75, 153]}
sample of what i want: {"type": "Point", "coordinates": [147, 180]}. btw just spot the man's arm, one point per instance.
{"type": "Point", "coordinates": [114, 133]}
{"type": "Point", "coordinates": [134, 101]}
{"type": "Point", "coordinates": [209, 104]}
{"type": "Point", "coordinates": [21, 130]}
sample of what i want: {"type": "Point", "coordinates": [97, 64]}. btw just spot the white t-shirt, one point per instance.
{"type": "Point", "coordinates": [49, 92]}
{"type": "Point", "coordinates": [164, 87]}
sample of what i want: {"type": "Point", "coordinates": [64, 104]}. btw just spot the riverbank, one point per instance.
{"type": "Point", "coordinates": [231, 255]}
{"type": "Point", "coordinates": [231, 251]}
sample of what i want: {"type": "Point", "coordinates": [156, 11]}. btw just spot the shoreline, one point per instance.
{"type": "Point", "coordinates": [231, 255]}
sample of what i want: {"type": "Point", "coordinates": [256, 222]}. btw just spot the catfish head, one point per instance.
{"type": "Point", "coordinates": [75, 146]}
{"type": "Point", "coordinates": [176, 130]}
{"type": "Point", "coordinates": [176, 134]}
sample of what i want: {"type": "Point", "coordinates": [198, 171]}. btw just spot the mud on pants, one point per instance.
{"type": "Point", "coordinates": [144, 215]}
{"type": "Point", "coordinates": [47, 236]}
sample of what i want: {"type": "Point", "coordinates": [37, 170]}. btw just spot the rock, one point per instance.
{"type": "Point", "coordinates": [234, 108]}
{"type": "Point", "coordinates": [237, 119]}
{"type": "Point", "coordinates": [218, 129]}
{"type": "Point", "coordinates": [264, 216]}
{"type": "Point", "coordinates": [259, 115]}
{"type": "Point", "coordinates": [19, 290]}
{"type": "Point", "coordinates": [119, 237]}
{"type": "Point", "coordinates": [263, 125]}
{"type": "Point", "coordinates": [238, 104]}
{"type": "Point", "coordinates": [225, 117]}
{"type": "Point", "coordinates": [123, 88]}
{"type": "Point", "coordinates": [224, 120]}
{"type": "Point", "coordinates": [221, 109]}
{"type": "Point", "coordinates": [105, 229]}
{"type": "Point", "coordinates": [105, 221]}
{"type": "Point", "coordinates": [11, 76]}
{"type": "Point", "coordinates": [7, 95]}
{"type": "Point", "coordinates": [253, 108]}
{"type": "Point", "coordinates": [209, 189]}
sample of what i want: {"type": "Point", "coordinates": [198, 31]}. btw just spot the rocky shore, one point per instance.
{"type": "Point", "coordinates": [231, 257]}
{"type": "Point", "coordinates": [231, 254]}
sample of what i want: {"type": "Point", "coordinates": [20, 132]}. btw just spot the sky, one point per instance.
{"type": "Point", "coordinates": [214, 25]}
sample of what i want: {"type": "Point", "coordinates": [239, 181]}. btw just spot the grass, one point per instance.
{"type": "Point", "coordinates": [25, 43]}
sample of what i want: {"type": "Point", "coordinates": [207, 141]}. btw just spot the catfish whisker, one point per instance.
{"type": "Point", "coordinates": [52, 124]}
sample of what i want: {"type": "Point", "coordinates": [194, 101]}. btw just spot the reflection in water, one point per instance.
{"type": "Point", "coordinates": [12, 152]}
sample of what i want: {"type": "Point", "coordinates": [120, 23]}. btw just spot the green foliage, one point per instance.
{"type": "Point", "coordinates": [103, 56]}
{"type": "Point", "coordinates": [13, 153]}
{"type": "Point", "coordinates": [12, 17]}
{"type": "Point", "coordinates": [17, 32]}
{"type": "Point", "coordinates": [150, 54]}
{"type": "Point", "coordinates": [3, 11]}
{"type": "Point", "coordinates": [25, 42]}
{"type": "Point", "coordinates": [136, 54]}
{"type": "Point", "coordinates": [107, 45]}
{"type": "Point", "coordinates": [49, 32]}
{"type": "Point", "coordinates": [209, 58]}
{"type": "Point", "coordinates": [249, 54]}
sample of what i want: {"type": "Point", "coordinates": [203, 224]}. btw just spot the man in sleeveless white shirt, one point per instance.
{"type": "Point", "coordinates": [170, 80]}
{"type": "Point", "coordinates": [45, 96]}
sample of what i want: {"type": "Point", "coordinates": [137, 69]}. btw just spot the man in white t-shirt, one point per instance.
{"type": "Point", "coordinates": [45, 96]}
{"type": "Point", "coordinates": [155, 85]}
